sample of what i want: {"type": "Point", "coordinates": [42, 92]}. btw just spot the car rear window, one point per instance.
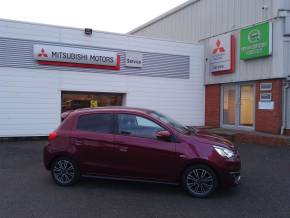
{"type": "Point", "coordinates": [102, 123]}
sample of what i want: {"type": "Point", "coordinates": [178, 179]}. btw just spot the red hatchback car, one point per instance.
{"type": "Point", "coordinates": [140, 145]}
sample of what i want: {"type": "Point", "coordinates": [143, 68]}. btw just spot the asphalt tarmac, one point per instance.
{"type": "Point", "coordinates": [27, 190]}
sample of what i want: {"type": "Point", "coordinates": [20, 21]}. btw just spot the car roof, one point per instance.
{"type": "Point", "coordinates": [112, 109]}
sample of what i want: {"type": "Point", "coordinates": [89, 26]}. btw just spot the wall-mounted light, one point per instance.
{"type": "Point", "coordinates": [88, 31]}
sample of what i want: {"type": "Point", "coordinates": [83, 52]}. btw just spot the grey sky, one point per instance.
{"type": "Point", "coordinates": [118, 16]}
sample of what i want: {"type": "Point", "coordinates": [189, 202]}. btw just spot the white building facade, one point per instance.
{"type": "Point", "coordinates": [246, 58]}
{"type": "Point", "coordinates": [46, 70]}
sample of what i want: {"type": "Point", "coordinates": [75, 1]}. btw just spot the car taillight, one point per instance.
{"type": "Point", "coordinates": [52, 136]}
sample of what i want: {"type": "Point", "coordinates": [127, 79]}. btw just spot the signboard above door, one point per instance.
{"type": "Point", "coordinates": [134, 59]}
{"type": "Point", "coordinates": [76, 57]}
{"type": "Point", "coordinates": [256, 41]}
{"type": "Point", "coordinates": [222, 54]}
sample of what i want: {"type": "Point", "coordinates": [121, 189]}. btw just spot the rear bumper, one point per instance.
{"type": "Point", "coordinates": [46, 157]}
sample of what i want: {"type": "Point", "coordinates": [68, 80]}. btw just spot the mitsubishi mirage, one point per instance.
{"type": "Point", "coordinates": [139, 145]}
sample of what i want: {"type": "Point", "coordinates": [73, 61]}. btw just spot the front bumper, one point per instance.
{"type": "Point", "coordinates": [236, 176]}
{"type": "Point", "coordinates": [231, 176]}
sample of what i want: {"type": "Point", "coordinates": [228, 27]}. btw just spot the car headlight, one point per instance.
{"type": "Point", "coordinates": [224, 152]}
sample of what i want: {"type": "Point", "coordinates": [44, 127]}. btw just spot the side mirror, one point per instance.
{"type": "Point", "coordinates": [164, 135]}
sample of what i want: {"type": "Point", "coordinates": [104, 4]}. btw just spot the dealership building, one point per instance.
{"type": "Point", "coordinates": [46, 70]}
{"type": "Point", "coordinates": [247, 58]}
{"type": "Point", "coordinates": [213, 63]}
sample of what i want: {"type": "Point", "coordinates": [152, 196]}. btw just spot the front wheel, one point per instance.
{"type": "Point", "coordinates": [64, 171]}
{"type": "Point", "coordinates": [199, 181]}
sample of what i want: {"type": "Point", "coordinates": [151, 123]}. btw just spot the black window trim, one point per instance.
{"type": "Point", "coordinates": [115, 129]}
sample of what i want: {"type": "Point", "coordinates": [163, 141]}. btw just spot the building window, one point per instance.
{"type": "Point", "coordinates": [76, 100]}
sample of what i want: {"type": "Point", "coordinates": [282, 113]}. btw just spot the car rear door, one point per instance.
{"type": "Point", "coordinates": [142, 155]}
{"type": "Point", "coordinates": [93, 141]}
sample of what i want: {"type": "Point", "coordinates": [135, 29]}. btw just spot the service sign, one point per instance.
{"type": "Point", "coordinates": [76, 57]}
{"type": "Point", "coordinates": [222, 54]}
{"type": "Point", "coordinates": [134, 59]}
{"type": "Point", "coordinates": [256, 41]}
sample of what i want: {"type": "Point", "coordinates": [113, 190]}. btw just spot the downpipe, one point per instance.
{"type": "Point", "coordinates": [284, 106]}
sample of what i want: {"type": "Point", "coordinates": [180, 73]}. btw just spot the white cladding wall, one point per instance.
{"type": "Point", "coordinates": [287, 4]}
{"type": "Point", "coordinates": [206, 18]}
{"type": "Point", "coordinates": [30, 99]}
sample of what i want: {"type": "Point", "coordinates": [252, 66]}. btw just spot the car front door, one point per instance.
{"type": "Point", "coordinates": [142, 154]}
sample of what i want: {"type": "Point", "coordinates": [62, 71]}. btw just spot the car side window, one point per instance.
{"type": "Point", "coordinates": [137, 126]}
{"type": "Point", "coordinates": [101, 123]}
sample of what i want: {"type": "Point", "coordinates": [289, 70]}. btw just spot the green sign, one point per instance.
{"type": "Point", "coordinates": [256, 41]}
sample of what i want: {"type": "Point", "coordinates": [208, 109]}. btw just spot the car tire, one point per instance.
{"type": "Point", "coordinates": [64, 171]}
{"type": "Point", "coordinates": [199, 181]}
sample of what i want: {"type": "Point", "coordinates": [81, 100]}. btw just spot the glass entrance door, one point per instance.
{"type": "Point", "coordinates": [238, 104]}
{"type": "Point", "coordinates": [246, 105]}
{"type": "Point", "coordinates": [229, 105]}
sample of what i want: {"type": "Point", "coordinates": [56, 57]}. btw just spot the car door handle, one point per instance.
{"type": "Point", "coordinates": [125, 133]}
{"type": "Point", "coordinates": [123, 149]}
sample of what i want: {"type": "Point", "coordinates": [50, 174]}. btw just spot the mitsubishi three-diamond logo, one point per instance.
{"type": "Point", "coordinates": [42, 53]}
{"type": "Point", "coordinates": [218, 48]}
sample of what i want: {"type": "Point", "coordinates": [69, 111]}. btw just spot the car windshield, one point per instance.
{"type": "Point", "coordinates": [176, 125]}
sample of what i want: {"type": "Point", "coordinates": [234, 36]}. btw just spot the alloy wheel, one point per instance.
{"type": "Point", "coordinates": [64, 171]}
{"type": "Point", "coordinates": [200, 181]}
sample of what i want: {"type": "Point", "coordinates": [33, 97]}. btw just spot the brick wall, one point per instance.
{"type": "Point", "coordinates": [270, 121]}
{"type": "Point", "coordinates": [212, 105]}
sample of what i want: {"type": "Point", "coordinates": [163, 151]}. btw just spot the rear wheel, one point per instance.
{"type": "Point", "coordinates": [64, 171]}
{"type": "Point", "coordinates": [199, 181]}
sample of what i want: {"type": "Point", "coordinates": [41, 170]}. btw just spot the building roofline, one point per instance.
{"type": "Point", "coordinates": [96, 31]}
{"type": "Point", "coordinates": [164, 15]}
